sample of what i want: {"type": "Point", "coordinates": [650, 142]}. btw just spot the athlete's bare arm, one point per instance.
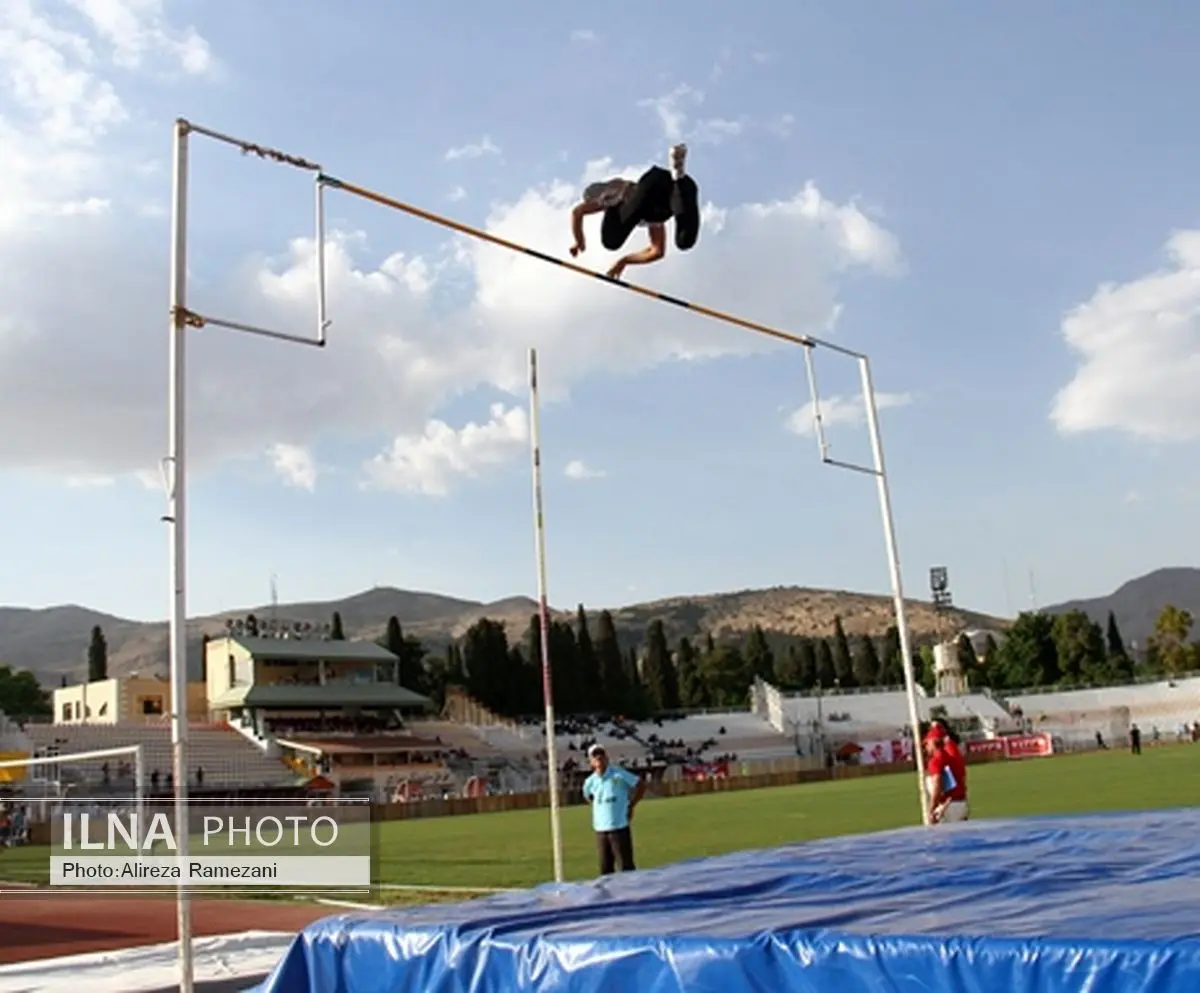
{"type": "Point", "coordinates": [580, 211]}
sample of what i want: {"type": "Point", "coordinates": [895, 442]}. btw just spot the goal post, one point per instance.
{"type": "Point", "coordinates": [88, 761]}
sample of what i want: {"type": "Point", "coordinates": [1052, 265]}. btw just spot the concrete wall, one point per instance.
{"type": "Point", "coordinates": [123, 701]}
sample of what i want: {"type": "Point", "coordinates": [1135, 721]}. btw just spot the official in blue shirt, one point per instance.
{"type": "Point", "coordinates": [613, 793]}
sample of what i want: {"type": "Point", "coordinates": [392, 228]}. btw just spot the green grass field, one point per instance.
{"type": "Point", "coordinates": [488, 851]}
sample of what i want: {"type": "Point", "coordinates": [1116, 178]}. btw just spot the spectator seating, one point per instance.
{"type": "Point", "coordinates": [226, 758]}
{"type": "Point", "coordinates": [1168, 702]}
{"type": "Point", "coordinates": [852, 714]}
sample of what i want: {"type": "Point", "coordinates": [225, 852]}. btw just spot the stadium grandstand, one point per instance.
{"type": "Point", "coordinates": [1163, 708]}
{"type": "Point", "coordinates": [277, 709]}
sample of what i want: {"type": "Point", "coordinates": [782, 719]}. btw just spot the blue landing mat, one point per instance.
{"type": "Point", "coordinates": [1106, 904]}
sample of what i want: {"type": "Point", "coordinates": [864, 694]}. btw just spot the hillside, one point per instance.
{"type": "Point", "coordinates": [53, 642]}
{"type": "Point", "coordinates": [1137, 603]}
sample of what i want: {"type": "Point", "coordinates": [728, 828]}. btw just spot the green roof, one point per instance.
{"type": "Point", "coordinates": [286, 695]}
{"type": "Point", "coordinates": [313, 650]}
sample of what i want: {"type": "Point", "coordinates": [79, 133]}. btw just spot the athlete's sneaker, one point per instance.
{"type": "Point", "coordinates": [685, 207]}
{"type": "Point", "coordinates": [678, 157]}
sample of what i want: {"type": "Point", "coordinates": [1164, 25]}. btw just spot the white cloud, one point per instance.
{"type": "Point", "coordinates": [715, 130]}
{"type": "Point", "coordinates": [60, 101]}
{"type": "Point", "coordinates": [90, 482]}
{"type": "Point", "coordinates": [583, 35]}
{"type": "Point", "coordinates": [781, 125]}
{"type": "Point", "coordinates": [411, 332]}
{"type": "Point", "coordinates": [474, 151]}
{"type": "Point", "coordinates": [295, 465]}
{"type": "Point", "coordinates": [842, 410]}
{"type": "Point", "coordinates": [669, 108]}
{"type": "Point", "coordinates": [456, 194]}
{"type": "Point", "coordinates": [138, 29]}
{"type": "Point", "coordinates": [428, 463]}
{"type": "Point", "coordinates": [1138, 345]}
{"type": "Point", "coordinates": [396, 353]}
{"type": "Point", "coordinates": [577, 469]}
{"type": "Point", "coordinates": [674, 111]}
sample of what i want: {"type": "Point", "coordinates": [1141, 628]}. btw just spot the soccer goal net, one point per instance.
{"type": "Point", "coordinates": [35, 788]}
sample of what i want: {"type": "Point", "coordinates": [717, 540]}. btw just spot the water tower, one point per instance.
{"type": "Point", "coordinates": [949, 679]}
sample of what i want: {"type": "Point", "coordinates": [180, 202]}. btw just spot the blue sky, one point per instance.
{"type": "Point", "coordinates": [1005, 162]}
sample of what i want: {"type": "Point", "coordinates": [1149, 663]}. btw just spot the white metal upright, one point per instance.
{"type": "Point", "coordinates": [879, 471]}
{"type": "Point", "coordinates": [893, 554]}
{"type": "Point", "coordinates": [539, 540]}
{"type": "Point", "coordinates": [176, 509]}
{"type": "Point", "coordinates": [182, 320]}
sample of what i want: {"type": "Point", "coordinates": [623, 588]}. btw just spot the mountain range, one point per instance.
{"type": "Point", "coordinates": [52, 642]}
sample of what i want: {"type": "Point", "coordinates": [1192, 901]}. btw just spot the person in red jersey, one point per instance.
{"type": "Point", "coordinates": [946, 775]}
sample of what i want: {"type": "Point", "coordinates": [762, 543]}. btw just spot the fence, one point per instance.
{"type": "Point", "coordinates": [456, 806]}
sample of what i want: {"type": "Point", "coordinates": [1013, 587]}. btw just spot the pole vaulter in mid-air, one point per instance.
{"type": "Point", "coordinates": [655, 198]}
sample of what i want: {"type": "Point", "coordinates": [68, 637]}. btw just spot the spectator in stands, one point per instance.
{"type": "Point", "coordinates": [613, 792]}
{"type": "Point", "coordinates": [19, 834]}
{"type": "Point", "coordinates": [946, 774]}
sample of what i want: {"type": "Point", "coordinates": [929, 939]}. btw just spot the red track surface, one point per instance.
{"type": "Point", "coordinates": [40, 927]}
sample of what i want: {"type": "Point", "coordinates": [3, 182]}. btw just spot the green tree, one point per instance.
{"type": "Point", "coordinates": [758, 654]}
{"type": "Point", "coordinates": [640, 705]}
{"type": "Point", "coordinates": [1114, 642]}
{"type": "Point", "coordinates": [806, 665]}
{"type": "Point", "coordinates": [891, 665]}
{"type": "Point", "coordinates": [866, 662]}
{"type": "Point", "coordinates": [393, 636]}
{"type": "Point", "coordinates": [968, 661]}
{"type": "Point", "coordinates": [1097, 669]}
{"type": "Point", "coordinates": [1120, 665]}
{"type": "Point", "coordinates": [411, 672]}
{"type": "Point", "coordinates": [727, 676]}
{"type": "Point", "coordinates": [658, 672]}
{"type": "Point", "coordinates": [590, 679]}
{"type": "Point", "coordinates": [787, 668]}
{"type": "Point", "coordinates": [988, 662]}
{"type": "Point", "coordinates": [444, 672]}
{"type": "Point", "coordinates": [797, 669]}
{"type": "Point", "coordinates": [1028, 656]}
{"type": "Point", "coordinates": [413, 675]}
{"type": "Point", "coordinates": [97, 656]}
{"type": "Point", "coordinates": [569, 692]}
{"type": "Point", "coordinates": [456, 671]}
{"type": "Point", "coordinates": [826, 670]}
{"type": "Point", "coordinates": [612, 667]}
{"type": "Point", "coordinates": [1152, 662]}
{"type": "Point", "coordinates": [1171, 631]}
{"type": "Point", "coordinates": [20, 694]}
{"type": "Point", "coordinates": [486, 662]}
{"type": "Point", "coordinates": [843, 662]}
{"type": "Point", "coordinates": [1079, 645]}
{"type": "Point", "coordinates": [531, 656]}
{"type": "Point", "coordinates": [525, 677]}
{"type": "Point", "coordinates": [336, 632]}
{"type": "Point", "coordinates": [925, 667]}
{"type": "Point", "coordinates": [691, 686]}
